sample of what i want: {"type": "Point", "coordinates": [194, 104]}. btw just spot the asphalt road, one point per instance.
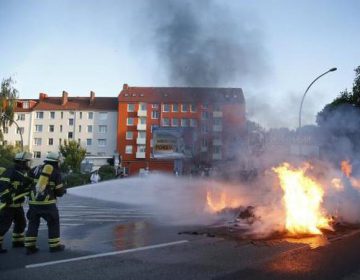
{"type": "Point", "coordinates": [115, 241]}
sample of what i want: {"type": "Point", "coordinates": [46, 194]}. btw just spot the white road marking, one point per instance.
{"type": "Point", "coordinates": [108, 254]}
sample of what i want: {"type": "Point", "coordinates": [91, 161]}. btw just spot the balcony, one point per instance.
{"type": "Point", "coordinates": [217, 142]}
{"type": "Point", "coordinates": [217, 128]}
{"type": "Point", "coordinates": [140, 154]}
{"type": "Point", "coordinates": [141, 141]}
{"type": "Point", "coordinates": [142, 113]}
{"type": "Point", "coordinates": [217, 114]}
{"type": "Point", "coordinates": [141, 126]}
{"type": "Point", "coordinates": [217, 156]}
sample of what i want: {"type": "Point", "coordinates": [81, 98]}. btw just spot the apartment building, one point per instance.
{"type": "Point", "coordinates": [208, 121]}
{"type": "Point", "coordinates": [49, 121]}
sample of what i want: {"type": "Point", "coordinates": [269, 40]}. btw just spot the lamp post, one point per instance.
{"type": "Point", "coordinates": [302, 100]}
{"type": "Point", "coordinates": [18, 128]}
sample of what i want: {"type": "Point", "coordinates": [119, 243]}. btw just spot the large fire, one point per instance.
{"type": "Point", "coordinates": [302, 197]}
{"type": "Point", "coordinates": [218, 200]}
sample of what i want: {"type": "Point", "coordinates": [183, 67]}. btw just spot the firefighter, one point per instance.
{"type": "Point", "coordinates": [15, 184]}
{"type": "Point", "coordinates": [42, 204]}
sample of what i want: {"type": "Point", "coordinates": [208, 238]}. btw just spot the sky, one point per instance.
{"type": "Point", "coordinates": [79, 46]}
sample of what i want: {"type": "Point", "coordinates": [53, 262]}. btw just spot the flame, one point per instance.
{"type": "Point", "coordinates": [217, 202]}
{"type": "Point", "coordinates": [346, 168]}
{"type": "Point", "coordinates": [337, 184]}
{"type": "Point", "coordinates": [303, 198]}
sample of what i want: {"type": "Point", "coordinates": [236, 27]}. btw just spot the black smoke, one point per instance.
{"type": "Point", "coordinates": [203, 44]}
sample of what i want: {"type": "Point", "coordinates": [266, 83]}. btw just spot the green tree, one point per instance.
{"type": "Point", "coordinates": [8, 96]}
{"type": "Point", "coordinates": [74, 154]}
{"type": "Point", "coordinates": [344, 99]}
{"type": "Point", "coordinates": [7, 154]}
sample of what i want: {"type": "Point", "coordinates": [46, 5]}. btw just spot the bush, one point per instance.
{"type": "Point", "coordinates": [106, 172]}
{"type": "Point", "coordinates": [76, 179]}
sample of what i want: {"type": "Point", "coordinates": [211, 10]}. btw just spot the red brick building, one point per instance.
{"type": "Point", "coordinates": [212, 119]}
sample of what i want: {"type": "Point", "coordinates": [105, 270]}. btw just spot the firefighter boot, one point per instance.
{"type": "Point", "coordinates": [2, 251]}
{"type": "Point", "coordinates": [31, 250]}
{"type": "Point", "coordinates": [18, 244]}
{"type": "Point", "coordinates": [58, 248]}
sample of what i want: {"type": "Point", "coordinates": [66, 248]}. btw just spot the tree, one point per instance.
{"type": "Point", "coordinates": [8, 96]}
{"type": "Point", "coordinates": [74, 154]}
{"type": "Point", "coordinates": [339, 123]}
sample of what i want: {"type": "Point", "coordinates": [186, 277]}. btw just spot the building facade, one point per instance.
{"type": "Point", "coordinates": [214, 117]}
{"type": "Point", "coordinates": [48, 122]}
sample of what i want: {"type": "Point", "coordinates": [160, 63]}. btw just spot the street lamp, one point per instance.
{"type": "Point", "coordinates": [302, 100]}
{"type": "Point", "coordinates": [3, 115]}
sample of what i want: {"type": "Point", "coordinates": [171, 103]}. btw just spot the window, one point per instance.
{"type": "Point", "coordinates": [141, 149]}
{"type": "Point", "coordinates": [37, 154]}
{"type": "Point", "coordinates": [142, 134]}
{"type": "Point", "coordinates": [39, 115]}
{"type": "Point", "coordinates": [70, 135]}
{"type": "Point", "coordinates": [193, 108]}
{"type": "Point", "coordinates": [20, 130]}
{"type": "Point", "coordinates": [60, 141]}
{"type": "Point", "coordinates": [175, 122]}
{"type": "Point", "coordinates": [72, 113]}
{"type": "Point", "coordinates": [51, 128]}
{"type": "Point", "coordinates": [62, 115]}
{"type": "Point", "coordinates": [143, 106]}
{"type": "Point", "coordinates": [217, 108]}
{"type": "Point", "coordinates": [166, 122]}
{"type": "Point", "coordinates": [103, 116]}
{"type": "Point", "coordinates": [193, 122]}
{"type": "Point", "coordinates": [5, 142]}
{"type": "Point", "coordinates": [6, 130]}
{"type": "Point", "coordinates": [37, 141]}
{"type": "Point", "coordinates": [71, 121]}
{"type": "Point", "coordinates": [217, 121]}
{"type": "Point", "coordinates": [155, 115]}
{"type": "Point", "coordinates": [88, 142]}
{"type": "Point", "coordinates": [216, 149]}
{"type": "Point", "coordinates": [25, 105]}
{"type": "Point", "coordinates": [80, 115]}
{"type": "Point", "coordinates": [38, 128]}
{"type": "Point", "coordinates": [204, 129]}
{"type": "Point", "coordinates": [21, 117]}
{"type": "Point", "coordinates": [184, 107]}
{"type": "Point", "coordinates": [155, 106]}
{"type": "Point", "coordinates": [142, 120]}
{"type": "Point", "coordinates": [89, 128]}
{"type": "Point", "coordinates": [204, 142]}
{"type": "Point", "coordinates": [90, 115]}
{"type": "Point", "coordinates": [79, 128]}
{"type": "Point", "coordinates": [204, 115]}
{"type": "Point", "coordinates": [184, 122]}
{"type": "Point", "coordinates": [52, 115]}
{"type": "Point", "coordinates": [130, 121]}
{"type": "Point", "coordinates": [131, 107]}
{"type": "Point", "coordinates": [51, 142]}
{"type": "Point", "coordinates": [175, 107]}
{"type": "Point", "coordinates": [128, 149]}
{"type": "Point", "coordinates": [129, 135]}
{"type": "Point", "coordinates": [61, 128]}
{"type": "Point", "coordinates": [166, 108]}
{"type": "Point", "coordinates": [102, 128]}
{"type": "Point", "coordinates": [102, 142]}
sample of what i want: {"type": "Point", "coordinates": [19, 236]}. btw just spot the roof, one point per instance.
{"type": "Point", "coordinates": [181, 94]}
{"type": "Point", "coordinates": [78, 103]}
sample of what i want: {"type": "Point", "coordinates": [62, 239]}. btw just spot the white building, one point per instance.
{"type": "Point", "coordinates": [50, 121]}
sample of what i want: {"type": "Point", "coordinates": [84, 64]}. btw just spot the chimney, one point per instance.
{"type": "Point", "coordinates": [64, 98]}
{"type": "Point", "coordinates": [42, 96]}
{"type": "Point", "coordinates": [125, 86]}
{"type": "Point", "coordinates": [92, 97]}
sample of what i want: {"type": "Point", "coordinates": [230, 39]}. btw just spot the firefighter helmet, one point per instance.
{"type": "Point", "coordinates": [23, 156]}
{"type": "Point", "coordinates": [53, 157]}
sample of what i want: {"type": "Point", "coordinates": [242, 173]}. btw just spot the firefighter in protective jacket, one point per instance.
{"type": "Point", "coordinates": [42, 204]}
{"type": "Point", "coordinates": [15, 184]}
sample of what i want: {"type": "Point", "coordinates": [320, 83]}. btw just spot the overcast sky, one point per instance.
{"type": "Point", "coordinates": [78, 46]}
